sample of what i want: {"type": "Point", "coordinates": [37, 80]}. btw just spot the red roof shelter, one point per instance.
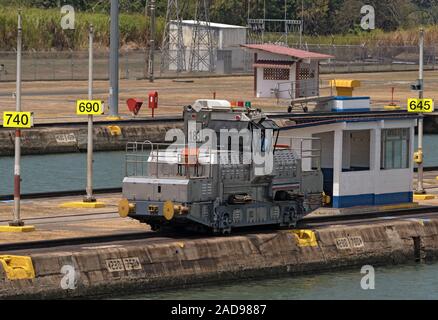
{"type": "Point", "coordinates": [283, 72]}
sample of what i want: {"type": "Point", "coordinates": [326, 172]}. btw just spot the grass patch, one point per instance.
{"type": "Point", "coordinates": [42, 29]}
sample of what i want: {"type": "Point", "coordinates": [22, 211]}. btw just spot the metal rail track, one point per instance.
{"type": "Point", "coordinates": [160, 119]}
{"type": "Point", "coordinates": [306, 222]}
{"type": "Point", "coordinates": [94, 215]}
{"type": "Point", "coordinates": [48, 244]}
{"type": "Point", "coordinates": [368, 215]}
{"type": "Point", "coordinates": [59, 194]}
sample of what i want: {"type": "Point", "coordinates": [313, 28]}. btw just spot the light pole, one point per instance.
{"type": "Point", "coordinates": [17, 222]}
{"type": "Point", "coordinates": [114, 60]}
{"type": "Point", "coordinates": [152, 41]}
{"type": "Point", "coordinates": [89, 197]}
{"type": "Point", "coordinates": [420, 185]}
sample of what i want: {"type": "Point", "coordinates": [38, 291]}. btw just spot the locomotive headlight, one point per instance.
{"type": "Point", "coordinates": [125, 208]}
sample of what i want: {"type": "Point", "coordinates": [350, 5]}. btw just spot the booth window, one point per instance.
{"type": "Point", "coordinates": [276, 74]}
{"type": "Point", "coordinates": [395, 149]}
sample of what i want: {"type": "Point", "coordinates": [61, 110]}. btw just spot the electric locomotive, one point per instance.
{"type": "Point", "coordinates": [231, 168]}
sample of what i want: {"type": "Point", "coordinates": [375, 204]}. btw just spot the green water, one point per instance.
{"type": "Point", "coordinates": [61, 172]}
{"type": "Point", "coordinates": [402, 282]}
{"type": "Point", "coordinates": [430, 150]}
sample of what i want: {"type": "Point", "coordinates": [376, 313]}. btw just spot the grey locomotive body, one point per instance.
{"type": "Point", "coordinates": [218, 188]}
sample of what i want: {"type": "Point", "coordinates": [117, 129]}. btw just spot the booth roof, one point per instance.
{"type": "Point", "coordinates": [290, 52]}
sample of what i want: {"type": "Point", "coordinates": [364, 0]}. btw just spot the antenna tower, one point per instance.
{"type": "Point", "coordinates": [173, 56]}
{"type": "Point", "coordinates": [202, 50]}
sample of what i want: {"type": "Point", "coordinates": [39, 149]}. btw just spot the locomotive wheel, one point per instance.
{"type": "Point", "coordinates": [222, 222]}
{"type": "Point", "coordinates": [226, 222]}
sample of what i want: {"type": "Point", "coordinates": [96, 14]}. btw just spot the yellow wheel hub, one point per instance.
{"type": "Point", "coordinates": [168, 210]}
{"type": "Point", "coordinates": [124, 208]}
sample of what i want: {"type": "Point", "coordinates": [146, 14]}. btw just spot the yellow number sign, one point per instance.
{"type": "Point", "coordinates": [89, 107]}
{"type": "Point", "coordinates": [18, 120]}
{"type": "Point", "coordinates": [420, 105]}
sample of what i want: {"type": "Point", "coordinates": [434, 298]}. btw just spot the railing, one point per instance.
{"type": "Point", "coordinates": [305, 150]}
{"type": "Point", "coordinates": [300, 89]}
{"type": "Point", "coordinates": [136, 158]}
{"type": "Point", "coordinates": [141, 155]}
{"type": "Point", "coordinates": [189, 161]}
{"type": "Point", "coordinates": [73, 65]}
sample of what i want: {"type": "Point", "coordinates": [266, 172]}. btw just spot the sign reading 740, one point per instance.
{"type": "Point", "coordinates": [18, 120]}
{"type": "Point", "coordinates": [420, 105]}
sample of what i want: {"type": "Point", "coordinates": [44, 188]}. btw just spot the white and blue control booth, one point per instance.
{"type": "Point", "coordinates": [366, 156]}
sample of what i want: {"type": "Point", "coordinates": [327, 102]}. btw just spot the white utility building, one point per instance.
{"type": "Point", "coordinates": [285, 73]}
{"type": "Point", "coordinates": [227, 41]}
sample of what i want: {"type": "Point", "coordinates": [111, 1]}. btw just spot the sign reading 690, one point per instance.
{"type": "Point", "coordinates": [420, 105]}
{"type": "Point", "coordinates": [89, 107]}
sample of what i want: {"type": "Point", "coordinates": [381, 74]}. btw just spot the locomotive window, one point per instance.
{"type": "Point", "coordinates": [159, 189]}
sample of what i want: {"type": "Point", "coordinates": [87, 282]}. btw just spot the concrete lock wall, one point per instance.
{"type": "Point", "coordinates": [74, 139]}
{"type": "Point", "coordinates": [174, 264]}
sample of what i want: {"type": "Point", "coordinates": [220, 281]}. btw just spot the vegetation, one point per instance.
{"type": "Point", "coordinates": [42, 29]}
{"type": "Point", "coordinates": [326, 21]}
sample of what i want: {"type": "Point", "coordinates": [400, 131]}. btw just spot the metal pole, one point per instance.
{"type": "Point", "coordinates": [152, 42]}
{"type": "Point", "coordinates": [420, 186]}
{"type": "Point", "coordinates": [146, 8]}
{"type": "Point", "coordinates": [90, 197]}
{"type": "Point", "coordinates": [264, 21]}
{"type": "Point", "coordinates": [249, 10]}
{"type": "Point", "coordinates": [114, 59]}
{"type": "Point", "coordinates": [302, 23]}
{"type": "Point", "coordinates": [17, 222]}
{"type": "Point", "coordinates": [285, 24]}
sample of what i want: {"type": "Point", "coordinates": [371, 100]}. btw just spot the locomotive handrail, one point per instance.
{"type": "Point", "coordinates": [138, 157]}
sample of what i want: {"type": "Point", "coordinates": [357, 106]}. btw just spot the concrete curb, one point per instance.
{"type": "Point", "coordinates": [154, 266]}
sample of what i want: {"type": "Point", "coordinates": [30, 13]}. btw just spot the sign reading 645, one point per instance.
{"type": "Point", "coordinates": [420, 105]}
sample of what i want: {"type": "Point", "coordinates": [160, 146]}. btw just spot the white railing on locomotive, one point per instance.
{"type": "Point", "coordinates": [307, 149]}
{"type": "Point", "coordinates": [136, 158]}
{"type": "Point", "coordinates": [140, 155]}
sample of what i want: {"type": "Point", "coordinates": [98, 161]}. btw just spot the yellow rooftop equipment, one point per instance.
{"type": "Point", "coordinates": [344, 88]}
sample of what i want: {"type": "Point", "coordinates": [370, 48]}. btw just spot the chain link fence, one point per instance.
{"type": "Point", "coordinates": [358, 58]}
{"type": "Point", "coordinates": [73, 65]}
